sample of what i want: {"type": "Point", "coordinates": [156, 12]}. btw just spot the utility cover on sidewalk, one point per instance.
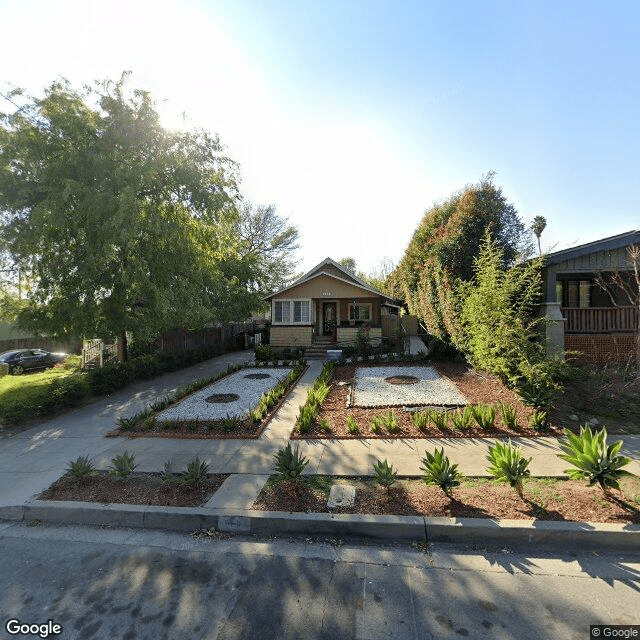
{"type": "Point", "coordinates": [341, 495]}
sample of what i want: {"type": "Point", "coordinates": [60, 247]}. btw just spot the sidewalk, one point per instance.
{"type": "Point", "coordinates": [32, 460]}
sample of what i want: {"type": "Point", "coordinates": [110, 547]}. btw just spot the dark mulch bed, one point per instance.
{"type": "Point", "coordinates": [139, 488]}
{"type": "Point", "coordinates": [477, 387]}
{"type": "Point", "coordinates": [544, 499]}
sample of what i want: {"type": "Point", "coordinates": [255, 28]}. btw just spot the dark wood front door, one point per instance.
{"type": "Point", "coordinates": [328, 318]}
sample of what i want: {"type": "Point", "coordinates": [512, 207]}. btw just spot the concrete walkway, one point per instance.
{"type": "Point", "coordinates": [30, 461]}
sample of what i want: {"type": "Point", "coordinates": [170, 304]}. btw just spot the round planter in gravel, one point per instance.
{"type": "Point", "coordinates": [248, 391]}
{"type": "Point", "coordinates": [373, 390]}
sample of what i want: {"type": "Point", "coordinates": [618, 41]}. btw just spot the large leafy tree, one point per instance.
{"type": "Point", "coordinates": [444, 247]}
{"type": "Point", "coordinates": [124, 225]}
{"type": "Point", "coordinates": [268, 247]}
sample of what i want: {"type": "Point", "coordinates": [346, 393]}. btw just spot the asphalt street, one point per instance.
{"type": "Point", "coordinates": [142, 585]}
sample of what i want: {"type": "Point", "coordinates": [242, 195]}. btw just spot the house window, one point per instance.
{"type": "Point", "coordinates": [281, 311]}
{"type": "Point", "coordinates": [360, 311]}
{"type": "Point", "coordinates": [301, 311]}
{"type": "Point", "coordinates": [291, 311]}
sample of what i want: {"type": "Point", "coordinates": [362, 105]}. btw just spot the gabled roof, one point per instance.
{"type": "Point", "coordinates": [606, 244]}
{"type": "Point", "coordinates": [318, 270]}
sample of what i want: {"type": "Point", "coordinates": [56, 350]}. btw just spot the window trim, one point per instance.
{"type": "Point", "coordinates": [360, 304]}
{"type": "Point", "coordinates": [291, 321]}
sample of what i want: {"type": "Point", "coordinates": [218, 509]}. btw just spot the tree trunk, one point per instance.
{"type": "Point", "coordinates": [123, 340]}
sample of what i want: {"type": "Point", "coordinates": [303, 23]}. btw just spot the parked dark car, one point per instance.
{"type": "Point", "coordinates": [21, 360]}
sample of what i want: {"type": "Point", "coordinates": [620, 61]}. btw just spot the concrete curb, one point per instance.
{"type": "Point", "coordinates": [412, 528]}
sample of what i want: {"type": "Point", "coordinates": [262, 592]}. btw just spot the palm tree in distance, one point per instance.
{"type": "Point", "coordinates": [537, 226]}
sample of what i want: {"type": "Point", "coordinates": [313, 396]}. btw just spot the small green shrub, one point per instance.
{"type": "Point", "coordinates": [421, 419]}
{"type": "Point", "coordinates": [324, 425]}
{"type": "Point", "coordinates": [463, 419]}
{"type": "Point", "coordinates": [375, 424]}
{"type": "Point", "coordinates": [230, 423]}
{"type": "Point", "coordinates": [82, 467]}
{"type": "Point", "coordinates": [388, 420]}
{"type": "Point", "coordinates": [440, 419]}
{"type": "Point", "coordinates": [255, 416]}
{"type": "Point", "coordinates": [168, 476]}
{"type": "Point", "coordinates": [126, 424]}
{"type": "Point", "coordinates": [439, 470]}
{"type": "Point", "coordinates": [508, 465]}
{"type": "Point", "coordinates": [484, 415]}
{"type": "Point", "coordinates": [352, 426]}
{"type": "Point", "coordinates": [123, 465]}
{"type": "Point", "coordinates": [385, 475]}
{"type": "Point", "coordinates": [538, 420]}
{"type": "Point", "coordinates": [193, 425]}
{"type": "Point", "coordinates": [593, 460]}
{"type": "Point", "coordinates": [289, 463]}
{"type": "Point", "coordinates": [509, 416]}
{"type": "Point", "coordinates": [196, 472]}
{"type": "Point", "coordinates": [263, 352]}
{"type": "Point", "coordinates": [305, 418]}
{"type": "Point", "coordinates": [149, 423]}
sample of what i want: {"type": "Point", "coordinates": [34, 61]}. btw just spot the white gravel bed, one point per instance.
{"type": "Point", "coordinates": [372, 390]}
{"type": "Point", "coordinates": [248, 390]}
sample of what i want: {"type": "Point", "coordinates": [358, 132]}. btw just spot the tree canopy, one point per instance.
{"type": "Point", "coordinates": [268, 245]}
{"type": "Point", "coordinates": [123, 224]}
{"type": "Point", "coordinates": [444, 247]}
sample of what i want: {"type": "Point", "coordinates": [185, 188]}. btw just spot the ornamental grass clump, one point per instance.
{"type": "Point", "coordinates": [439, 470]}
{"type": "Point", "coordinates": [484, 415]}
{"type": "Point", "coordinates": [440, 419]}
{"type": "Point", "coordinates": [290, 463]}
{"type": "Point", "coordinates": [593, 460]}
{"type": "Point", "coordinates": [123, 465]}
{"type": "Point", "coordinates": [385, 475]}
{"type": "Point", "coordinates": [538, 420]}
{"type": "Point", "coordinates": [352, 425]}
{"type": "Point", "coordinates": [421, 419]}
{"type": "Point", "coordinates": [509, 416]}
{"type": "Point", "coordinates": [508, 465]}
{"type": "Point", "coordinates": [462, 419]}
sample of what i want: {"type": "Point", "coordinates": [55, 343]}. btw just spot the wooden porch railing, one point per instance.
{"type": "Point", "coordinates": [600, 319]}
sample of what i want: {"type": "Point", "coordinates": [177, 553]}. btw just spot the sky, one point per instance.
{"type": "Point", "coordinates": [355, 117]}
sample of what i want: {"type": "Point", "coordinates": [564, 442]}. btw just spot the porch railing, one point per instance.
{"type": "Point", "coordinates": [600, 319]}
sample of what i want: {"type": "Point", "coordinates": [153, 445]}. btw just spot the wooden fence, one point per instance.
{"type": "Point", "coordinates": [228, 336]}
{"type": "Point", "coordinates": [69, 346]}
{"type": "Point", "coordinates": [600, 319]}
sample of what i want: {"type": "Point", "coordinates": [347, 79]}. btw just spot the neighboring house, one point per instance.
{"type": "Point", "coordinates": [326, 307]}
{"type": "Point", "coordinates": [582, 316]}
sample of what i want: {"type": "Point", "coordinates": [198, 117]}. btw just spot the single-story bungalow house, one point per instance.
{"type": "Point", "coordinates": [326, 307]}
{"type": "Point", "coordinates": [584, 317]}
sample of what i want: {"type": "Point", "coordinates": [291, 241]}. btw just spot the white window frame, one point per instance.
{"type": "Point", "coordinates": [290, 302]}
{"type": "Point", "coordinates": [361, 304]}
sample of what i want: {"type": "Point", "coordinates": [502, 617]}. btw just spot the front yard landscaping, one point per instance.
{"type": "Point", "coordinates": [237, 403]}
{"type": "Point", "coordinates": [544, 499]}
{"type": "Point", "coordinates": [434, 410]}
{"type": "Point", "coordinates": [138, 488]}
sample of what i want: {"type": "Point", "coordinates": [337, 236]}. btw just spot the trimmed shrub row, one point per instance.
{"type": "Point", "coordinates": [64, 393]}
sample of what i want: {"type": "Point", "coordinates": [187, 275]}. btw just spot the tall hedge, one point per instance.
{"type": "Point", "coordinates": [444, 247]}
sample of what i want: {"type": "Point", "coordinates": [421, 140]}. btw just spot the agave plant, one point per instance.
{"type": "Point", "coordinates": [290, 463]}
{"type": "Point", "coordinates": [508, 465]}
{"type": "Point", "coordinates": [385, 474]}
{"type": "Point", "coordinates": [196, 471]}
{"type": "Point", "coordinates": [439, 470]}
{"type": "Point", "coordinates": [594, 460]}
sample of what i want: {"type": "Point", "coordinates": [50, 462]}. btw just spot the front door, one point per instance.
{"type": "Point", "coordinates": [328, 318]}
